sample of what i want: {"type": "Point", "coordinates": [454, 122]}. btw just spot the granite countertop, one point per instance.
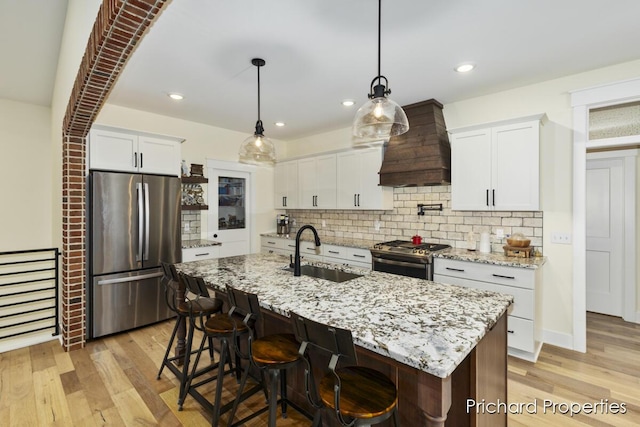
{"type": "Point", "coordinates": [328, 240]}
{"type": "Point", "coordinates": [199, 243]}
{"type": "Point", "coordinates": [495, 258]}
{"type": "Point", "coordinates": [423, 324]}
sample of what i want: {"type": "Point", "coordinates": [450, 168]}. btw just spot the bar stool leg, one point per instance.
{"type": "Point", "coordinates": [283, 392]}
{"type": "Point", "coordinates": [224, 347]}
{"type": "Point", "coordinates": [179, 320]}
{"type": "Point", "coordinates": [273, 395]}
{"type": "Point", "coordinates": [243, 382]}
{"type": "Point", "coordinates": [185, 365]}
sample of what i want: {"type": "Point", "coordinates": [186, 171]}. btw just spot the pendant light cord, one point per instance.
{"type": "Point", "coordinates": [258, 67]}
{"type": "Point", "coordinates": [379, 35]}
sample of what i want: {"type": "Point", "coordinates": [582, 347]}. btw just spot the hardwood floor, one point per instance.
{"type": "Point", "coordinates": [113, 382]}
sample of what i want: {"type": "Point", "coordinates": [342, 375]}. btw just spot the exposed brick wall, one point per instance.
{"type": "Point", "coordinates": [118, 28]}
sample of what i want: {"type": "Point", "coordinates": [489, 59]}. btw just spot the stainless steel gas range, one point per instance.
{"type": "Point", "coordinates": [405, 258]}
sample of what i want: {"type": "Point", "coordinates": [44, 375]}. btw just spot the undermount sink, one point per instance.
{"type": "Point", "coordinates": [326, 273]}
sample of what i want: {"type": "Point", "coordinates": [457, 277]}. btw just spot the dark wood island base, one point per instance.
{"type": "Point", "coordinates": [424, 399]}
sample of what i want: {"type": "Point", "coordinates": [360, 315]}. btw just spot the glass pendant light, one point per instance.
{"type": "Point", "coordinates": [380, 117]}
{"type": "Point", "coordinates": [258, 149]}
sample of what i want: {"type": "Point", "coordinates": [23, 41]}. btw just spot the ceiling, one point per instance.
{"type": "Point", "coordinates": [319, 52]}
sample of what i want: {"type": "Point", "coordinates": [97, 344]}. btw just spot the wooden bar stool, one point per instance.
{"type": "Point", "coordinates": [359, 396]}
{"type": "Point", "coordinates": [184, 308]}
{"type": "Point", "coordinates": [219, 326]}
{"type": "Point", "coordinates": [271, 354]}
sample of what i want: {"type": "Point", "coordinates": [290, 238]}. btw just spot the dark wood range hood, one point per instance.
{"type": "Point", "coordinates": [422, 156]}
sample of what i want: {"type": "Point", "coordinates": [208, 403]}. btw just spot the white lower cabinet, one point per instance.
{"type": "Point", "coordinates": [198, 254]}
{"type": "Point", "coordinates": [334, 254]}
{"type": "Point", "coordinates": [525, 315]}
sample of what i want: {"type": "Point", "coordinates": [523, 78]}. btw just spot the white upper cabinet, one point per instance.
{"type": "Point", "coordinates": [130, 151]}
{"type": "Point", "coordinates": [286, 185]}
{"type": "Point", "coordinates": [496, 166]}
{"type": "Point", "coordinates": [358, 180]}
{"type": "Point", "coordinates": [317, 182]}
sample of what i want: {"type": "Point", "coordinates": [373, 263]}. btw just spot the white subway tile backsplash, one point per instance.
{"type": "Point", "coordinates": [446, 226]}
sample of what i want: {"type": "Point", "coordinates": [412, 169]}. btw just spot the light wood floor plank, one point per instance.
{"type": "Point", "coordinates": [113, 382]}
{"type": "Point", "coordinates": [51, 400]}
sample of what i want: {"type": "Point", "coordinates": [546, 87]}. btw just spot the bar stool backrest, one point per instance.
{"type": "Point", "coordinates": [337, 341]}
{"type": "Point", "coordinates": [244, 304]}
{"type": "Point", "coordinates": [195, 285]}
{"type": "Point", "coordinates": [171, 285]}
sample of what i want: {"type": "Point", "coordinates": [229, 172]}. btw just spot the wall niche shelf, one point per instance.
{"type": "Point", "coordinates": [195, 207]}
{"type": "Point", "coordinates": [194, 180]}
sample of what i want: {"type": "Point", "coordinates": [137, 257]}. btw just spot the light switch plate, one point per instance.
{"type": "Point", "coordinates": [561, 238]}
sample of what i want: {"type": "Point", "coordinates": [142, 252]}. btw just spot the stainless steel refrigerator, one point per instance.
{"type": "Point", "coordinates": [134, 224]}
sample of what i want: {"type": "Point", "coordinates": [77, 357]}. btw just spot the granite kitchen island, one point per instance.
{"type": "Point", "coordinates": [441, 344]}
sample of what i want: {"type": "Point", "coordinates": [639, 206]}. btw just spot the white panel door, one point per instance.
{"type": "Point", "coordinates": [159, 156]}
{"type": "Point", "coordinates": [348, 179]}
{"type": "Point", "coordinates": [307, 183]}
{"type": "Point", "coordinates": [110, 150]}
{"type": "Point", "coordinates": [286, 185]}
{"type": "Point", "coordinates": [515, 167]}
{"type": "Point", "coordinates": [230, 210]}
{"type": "Point", "coordinates": [326, 182]}
{"type": "Point", "coordinates": [605, 239]}
{"type": "Point", "coordinates": [471, 170]}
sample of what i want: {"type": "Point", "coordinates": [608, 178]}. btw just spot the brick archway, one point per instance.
{"type": "Point", "coordinates": [118, 28]}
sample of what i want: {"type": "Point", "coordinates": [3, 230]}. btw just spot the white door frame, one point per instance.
{"type": "Point", "coordinates": [582, 101]}
{"type": "Point", "coordinates": [240, 167]}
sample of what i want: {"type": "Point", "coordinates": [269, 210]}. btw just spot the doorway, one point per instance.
{"type": "Point", "coordinates": [230, 219]}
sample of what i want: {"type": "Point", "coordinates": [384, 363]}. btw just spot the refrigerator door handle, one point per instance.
{"type": "Point", "coordinates": [129, 279]}
{"type": "Point", "coordinates": [140, 221]}
{"type": "Point", "coordinates": [146, 221]}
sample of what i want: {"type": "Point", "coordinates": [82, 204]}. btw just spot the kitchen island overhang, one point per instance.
{"type": "Point", "coordinates": [428, 335]}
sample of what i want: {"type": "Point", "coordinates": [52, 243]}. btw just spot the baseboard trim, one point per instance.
{"type": "Point", "coordinates": [559, 339]}
{"type": "Point", "coordinates": [21, 342]}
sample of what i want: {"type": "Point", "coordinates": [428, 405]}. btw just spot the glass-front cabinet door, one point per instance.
{"type": "Point", "coordinates": [231, 202]}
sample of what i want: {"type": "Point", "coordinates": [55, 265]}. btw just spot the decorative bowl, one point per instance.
{"type": "Point", "coordinates": [517, 240]}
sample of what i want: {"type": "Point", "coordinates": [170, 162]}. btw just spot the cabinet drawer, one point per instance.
{"type": "Point", "coordinates": [309, 248]}
{"type": "Point", "coordinates": [276, 251]}
{"type": "Point", "coordinates": [272, 242]}
{"type": "Point", "coordinates": [359, 255]}
{"type": "Point", "coordinates": [509, 276]}
{"type": "Point", "coordinates": [344, 262]}
{"type": "Point", "coordinates": [520, 334]}
{"type": "Point", "coordinates": [198, 254]}
{"type": "Point", "coordinates": [523, 299]}
{"type": "Point", "coordinates": [334, 251]}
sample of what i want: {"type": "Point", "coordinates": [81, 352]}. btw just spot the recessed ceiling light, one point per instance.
{"type": "Point", "coordinates": [176, 96]}
{"type": "Point", "coordinates": [348, 102]}
{"type": "Point", "coordinates": [279, 124]}
{"type": "Point", "coordinates": [464, 68]}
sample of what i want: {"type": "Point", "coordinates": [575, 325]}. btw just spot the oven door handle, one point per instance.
{"type": "Point", "coordinates": [399, 263]}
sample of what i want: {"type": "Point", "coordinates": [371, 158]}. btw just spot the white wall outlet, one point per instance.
{"type": "Point", "coordinates": [562, 238]}
{"type": "Point", "coordinates": [187, 227]}
{"type": "Point", "coordinates": [324, 223]}
{"type": "Point", "coordinates": [376, 225]}
{"type": "Point", "coordinates": [500, 233]}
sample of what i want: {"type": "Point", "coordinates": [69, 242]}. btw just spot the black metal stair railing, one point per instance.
{"type": "Point", "coordinates": [28, 292]}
